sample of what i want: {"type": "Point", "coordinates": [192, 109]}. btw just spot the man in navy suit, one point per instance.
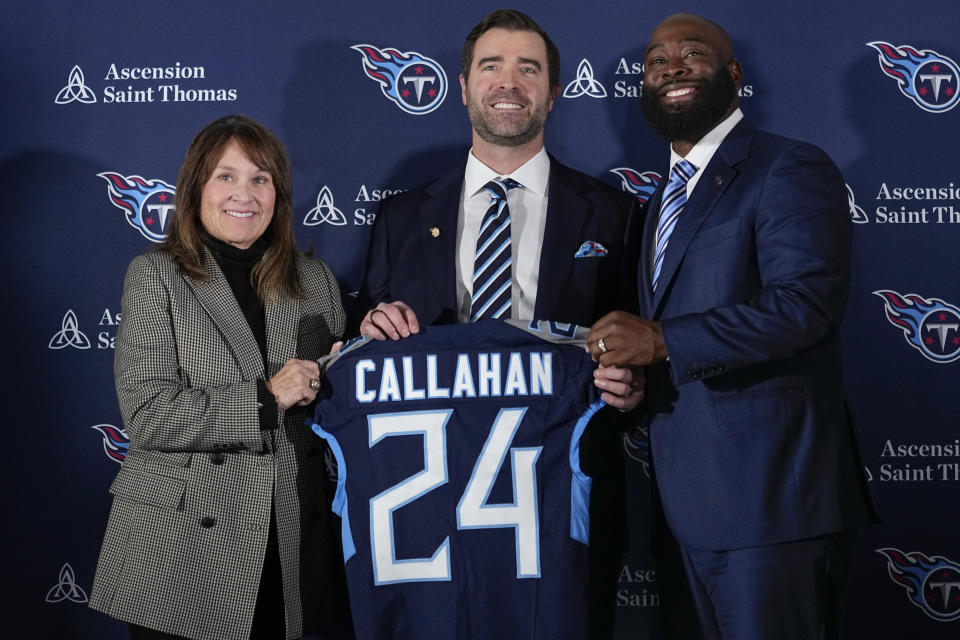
{"type": "Point", "coordinates": [567, 246]}
{"type": "Point", "coordinates": [743, 272]}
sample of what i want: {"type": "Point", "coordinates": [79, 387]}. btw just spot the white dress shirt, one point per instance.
{"type": "Point", "coordinates": [528, 218]}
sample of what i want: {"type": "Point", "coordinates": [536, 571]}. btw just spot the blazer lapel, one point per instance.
{"type": "Point", "coordinates": [567, 215]}
{"type": "Point", "coordinates": [644, 266]}
{"type": "Point", "coordinates": [438, 217]}
{"type": "Point", "coordinates": [282, 317]}
{"type": "Point", "coordinates": [716, 177]}
{"type": "Point", "coordinates": [217, 299]}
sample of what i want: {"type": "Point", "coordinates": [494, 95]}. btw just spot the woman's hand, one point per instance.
{"type": "Point", "coordinates": [296, 384]}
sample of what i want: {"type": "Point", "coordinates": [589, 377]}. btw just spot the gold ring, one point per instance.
{"type": "Point", "coordinates": [315, 384]}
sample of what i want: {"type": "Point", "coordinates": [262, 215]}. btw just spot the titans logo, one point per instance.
{"type": "Point", "coordinates": [926, 77]}
{"type": "Point", "coordinates": [933, 584]}
{"type": "Point", "coordinates": [147, 203]}
{"type": "Point", "coordinates": [413, 82]}
{"type": "Point", "coordinates": [930, 326]}
{"type": "Point", "coordinates": [115, 441]}
{"type": "Point", "coordinates": [642, 185]}
{"type": "Point", "coordinates": [636, 444]}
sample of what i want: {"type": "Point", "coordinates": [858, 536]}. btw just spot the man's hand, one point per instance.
{"type": "Point", "coordinates": [622, 387]}
{"type": "Point", "coordinates": [393, 320]}
{"type": "Point", "coordinates": [621, 339]}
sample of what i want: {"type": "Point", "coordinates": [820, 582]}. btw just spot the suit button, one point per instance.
{"type": "Point", "coordinates": [217, 458]}
{"type": "Point", "coordinates": [206, 522]}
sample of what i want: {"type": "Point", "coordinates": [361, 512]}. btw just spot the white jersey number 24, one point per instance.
{"type": "Point", "coordinates": [473, 511]}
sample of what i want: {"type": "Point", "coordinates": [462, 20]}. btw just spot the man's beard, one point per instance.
{"type": "Point", "coordinates": [690, 122]}
{"type": "Point", "coordinates": [507, 132]}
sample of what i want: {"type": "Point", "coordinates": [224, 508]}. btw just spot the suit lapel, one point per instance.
{"type": "Point", "coordinates": [567, 215]}
{"type": "Point", "coordinates": [644, 270]}
{"type": "Point", "coordinates": [218, 300]}
{"type": "Point", "coordinates": [282, 317]}
{"type": "Point", "coordinates": [717, 176]}
{"type": "Point", "coordinates": [438, 217]}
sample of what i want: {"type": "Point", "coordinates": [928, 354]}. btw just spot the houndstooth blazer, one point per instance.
{"type": "Point", "coordinates": [187, 532]}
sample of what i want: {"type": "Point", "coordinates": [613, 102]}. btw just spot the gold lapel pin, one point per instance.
{"type": "Point", "coordinates": [435, 232]}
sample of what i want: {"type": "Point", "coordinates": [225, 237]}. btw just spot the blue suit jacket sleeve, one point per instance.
{"type": "Point", "coordinates": [775, 282]}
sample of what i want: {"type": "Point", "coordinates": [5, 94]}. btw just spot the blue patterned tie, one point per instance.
{"type": "Point", "coordinates": [674, 197]}
{"type": "Point", "coordinates": [492, 273]}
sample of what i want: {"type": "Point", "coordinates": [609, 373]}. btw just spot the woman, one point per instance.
{"type": "Point", "coordinates": [220, 524]}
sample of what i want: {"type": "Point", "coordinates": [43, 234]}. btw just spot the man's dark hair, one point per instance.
{"type": "Point", "coordinates": [511, 20]}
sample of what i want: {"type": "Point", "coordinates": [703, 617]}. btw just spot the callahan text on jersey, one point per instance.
{"type": "Point", "coordinates": [476, 375]}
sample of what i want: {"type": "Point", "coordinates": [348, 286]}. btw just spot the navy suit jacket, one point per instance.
{"type": "Point", "coordinates": [407, 262]}
{"type": "Point", "coordinates": [751, 439]}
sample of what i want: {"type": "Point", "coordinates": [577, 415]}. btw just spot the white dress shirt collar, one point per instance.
{"type": "Point", "coordinates": [702, 152]}
{"type": "Point", "coordinates": [533, 174]}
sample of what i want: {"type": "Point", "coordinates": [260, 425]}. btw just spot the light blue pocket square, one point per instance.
{"type": "Point", "coordinates": [591, 249]}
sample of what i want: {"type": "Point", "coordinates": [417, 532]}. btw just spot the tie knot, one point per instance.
{"type": "Point", "coordinates": [498, 187]}
{"type": "Point", "coordinates": [682, 171]}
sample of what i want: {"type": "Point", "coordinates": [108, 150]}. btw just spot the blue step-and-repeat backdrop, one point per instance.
{"type": "Point", "coordinates": [101, 99]}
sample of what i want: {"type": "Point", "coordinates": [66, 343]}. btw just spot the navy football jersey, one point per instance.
{"type": "Point", "coordinates": [465, 512]}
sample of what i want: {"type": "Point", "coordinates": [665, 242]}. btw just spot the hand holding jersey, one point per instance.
{"type": "Point", "coordinates": [391, 320]}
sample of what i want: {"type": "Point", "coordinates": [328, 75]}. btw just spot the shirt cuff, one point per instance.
{"type": "Point", "coordinates": [267, 409]}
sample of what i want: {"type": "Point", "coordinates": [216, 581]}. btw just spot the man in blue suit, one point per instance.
{"type": "Point", "coordinates": [743, 272]}
{"type": "Point", "coordinates": [565, 254]}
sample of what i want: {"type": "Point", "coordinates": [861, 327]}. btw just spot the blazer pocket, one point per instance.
{"type": "Point", "coordinates": [762, 409]}
{"type": "Point", "coordinates": [707, 237]}
{"type": "Point", "coordinates": [589, 265]}
{"type": "Point", "coordinates": [142, 487]}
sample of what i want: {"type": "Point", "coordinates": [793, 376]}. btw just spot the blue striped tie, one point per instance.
{"type": "Point", "coordinates": [492, 273]}
{"type": "Point", "coordinates": [674, 197]}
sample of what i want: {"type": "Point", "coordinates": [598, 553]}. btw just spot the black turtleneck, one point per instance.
{"type": "Point", "coordinates": [237, 265]}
